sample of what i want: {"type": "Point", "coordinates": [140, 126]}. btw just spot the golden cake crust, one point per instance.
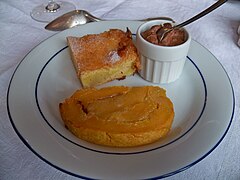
{"type": "Point", "coordinates": [118, 116]}
{"type": "Point", "coordinates": [102, 52]}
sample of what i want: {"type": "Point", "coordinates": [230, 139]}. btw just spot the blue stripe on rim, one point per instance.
{"type": "Point", "coordinates": [83, 177]}
{"type": "Point", "coordinates": [115, 153]}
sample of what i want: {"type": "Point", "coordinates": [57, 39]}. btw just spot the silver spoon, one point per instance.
{"type": "Point", "coordinates": [80, 17]}
{"type": "Point", "coordinates": [163, 31]}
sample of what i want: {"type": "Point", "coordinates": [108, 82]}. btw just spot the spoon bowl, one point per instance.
{"type": "Point", "coordinates": [71, 19]}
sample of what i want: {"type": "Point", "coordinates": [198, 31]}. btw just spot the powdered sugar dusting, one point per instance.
{"type": "Point", "coordinates": [74, 45]}
{"type": "Point", "coordinates": [113, 57]}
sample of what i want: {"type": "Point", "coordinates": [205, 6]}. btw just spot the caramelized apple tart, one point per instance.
{"type": "Point", "coordinates": [118, 116]}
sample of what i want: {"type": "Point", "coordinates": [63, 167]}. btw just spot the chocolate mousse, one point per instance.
{"type": "Point", "coordinates": [172, 38]}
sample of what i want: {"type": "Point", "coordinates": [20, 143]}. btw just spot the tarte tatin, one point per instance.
{"type": "Point", "coordinates": [118, 116]}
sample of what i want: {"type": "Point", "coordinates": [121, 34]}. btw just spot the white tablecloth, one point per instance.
{"type": "Point", "coordinates": [217, 32]}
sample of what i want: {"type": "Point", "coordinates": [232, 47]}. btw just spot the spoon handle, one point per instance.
{"type": "Point", "coordinates": [201, 14]}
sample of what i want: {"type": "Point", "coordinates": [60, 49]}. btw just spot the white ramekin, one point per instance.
{"type": "Point", "coordinates": [160, 64]}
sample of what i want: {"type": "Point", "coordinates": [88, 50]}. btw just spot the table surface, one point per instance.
{"type": "Point", "coordinates": [217, 32]}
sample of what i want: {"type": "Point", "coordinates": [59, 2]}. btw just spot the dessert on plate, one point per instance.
{"type": "Point", "coordinates": [118, 116]}
{"type": "Point", "coordinates": [172, 38]}
{"type": "Point", "coordinates": [100, 58]}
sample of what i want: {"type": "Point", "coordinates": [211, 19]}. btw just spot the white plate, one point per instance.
{"type": "Point", "coordinates": [203, 99]}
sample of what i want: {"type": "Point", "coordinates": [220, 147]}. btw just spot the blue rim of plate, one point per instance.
{"type": "Point", "coordinates": [117, 153]}
{"type": "Point", "coordinates": [157, 177]}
